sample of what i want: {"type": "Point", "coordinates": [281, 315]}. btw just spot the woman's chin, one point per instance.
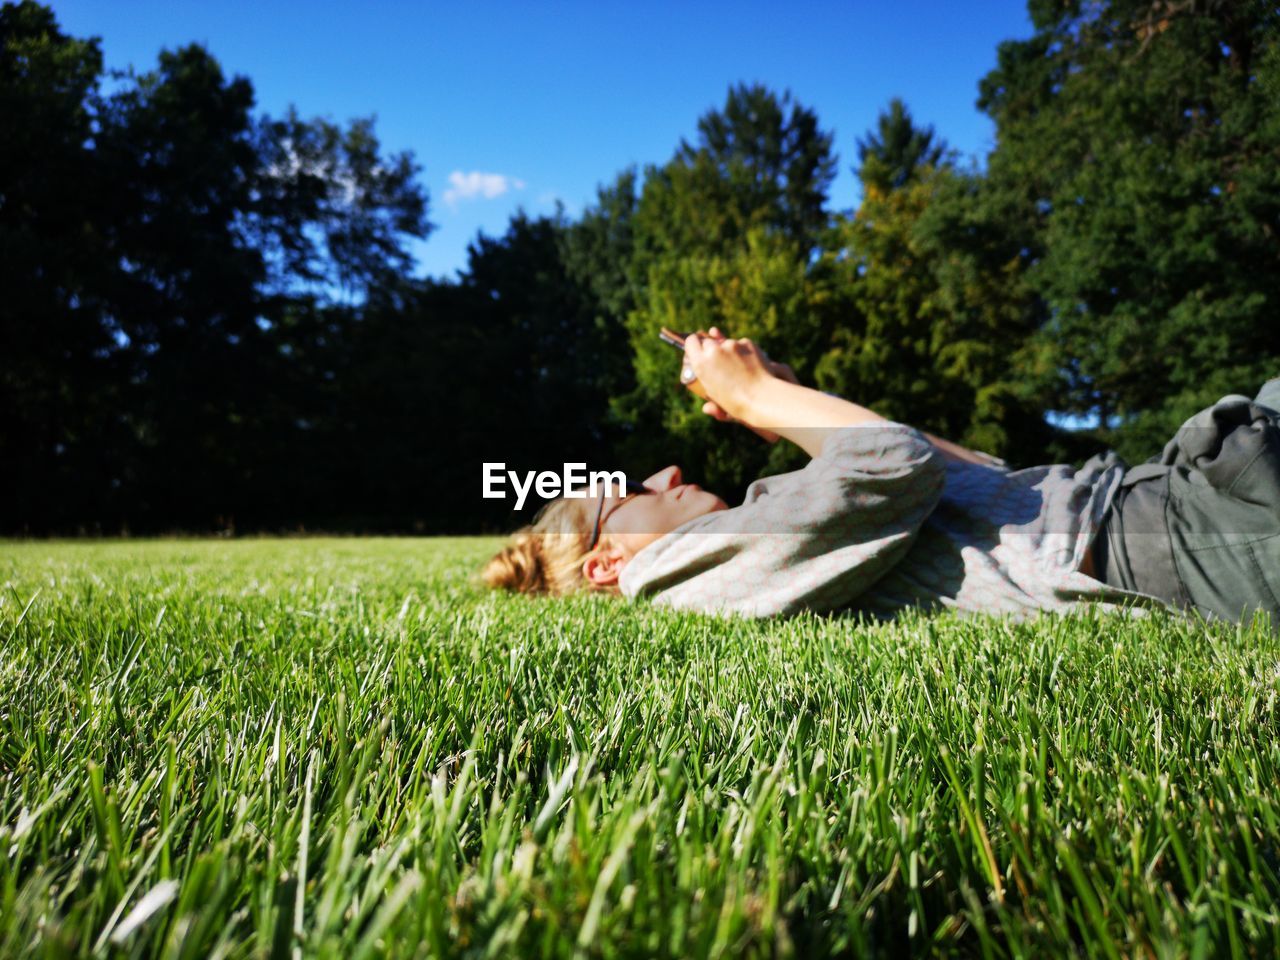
{"type": "Point", "coordinates": [715, 503]}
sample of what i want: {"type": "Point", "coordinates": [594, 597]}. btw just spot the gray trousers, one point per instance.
{"type": "Point", "coordinates": [1199, 525]}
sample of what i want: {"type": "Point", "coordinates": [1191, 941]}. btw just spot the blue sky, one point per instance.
{"type": "Point", "coordinates": [509, 105]}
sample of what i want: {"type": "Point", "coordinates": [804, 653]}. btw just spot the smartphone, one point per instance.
{"type": "Point", "coordinates": [672, 337]}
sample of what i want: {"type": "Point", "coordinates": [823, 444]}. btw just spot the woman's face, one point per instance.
{"type": "Point", "coordinates": [634, 521]}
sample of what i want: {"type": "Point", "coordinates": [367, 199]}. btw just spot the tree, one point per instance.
{"type": "Point", "coordinates": [596, 252]}
{"type": "Point", "coordinates": [548, 360]}
{"type": "Point", "coordinates": [56, 373]}
{"type": "Point", "coordinates": [176, 157]}
{"type": "Point", "coordinates": [727, 234]}
{"type": "Point", "coordinates": [330, 212]}
{"type": "Point", "coordinates": [1140, 139]}
{"type": "Point", "coordinates": [505, 365]}
{"type": "Point", "coordinates": [940, 321]}
{"type": "Point", "coordinates": [175, 266]}
{"type": "Point", "coordinates": [776, 162]}
{"type": "Point", "coordinates": [897, 151]}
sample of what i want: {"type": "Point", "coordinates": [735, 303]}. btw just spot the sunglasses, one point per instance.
{"type": "Point", "coordinates": [632, 488]}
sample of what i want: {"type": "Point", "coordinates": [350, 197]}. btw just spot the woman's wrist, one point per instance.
{"type": "Point", "coordinates": [728, 371]}
{"type": "Point", "coordinates": [763, 402]}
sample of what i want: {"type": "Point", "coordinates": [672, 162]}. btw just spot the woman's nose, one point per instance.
{"type": "Point", "coordinates": [664, 479]}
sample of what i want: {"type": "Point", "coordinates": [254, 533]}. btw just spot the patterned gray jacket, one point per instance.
{"type": "Point", "coordinates": [880, 521]}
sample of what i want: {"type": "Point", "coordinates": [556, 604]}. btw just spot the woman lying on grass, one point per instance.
{"type": "Point", "coordinates": [886, 517]}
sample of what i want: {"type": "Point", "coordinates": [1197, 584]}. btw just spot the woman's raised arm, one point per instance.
{"type": "Point", "coordinates": [736, 378]}
{"type": "Point", "coordinates": [735, 375]}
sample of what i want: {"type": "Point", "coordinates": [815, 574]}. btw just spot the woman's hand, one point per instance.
{"type": "Point", "coordinates": [734, 378]}
{"type": "Point", "coordinates": [779, 370]}
{"type": "Point", "coordinates": [726, 373]}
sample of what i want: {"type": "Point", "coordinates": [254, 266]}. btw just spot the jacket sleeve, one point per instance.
{"type": "Point", "coordinates": [815, 539]}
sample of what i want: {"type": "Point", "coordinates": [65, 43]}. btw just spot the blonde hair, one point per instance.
{"type": "Point", "coordinates": [546, 557]}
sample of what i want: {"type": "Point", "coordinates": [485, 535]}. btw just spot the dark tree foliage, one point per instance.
{"type": "Point", "coordinates": [897, 151]}
{"type": "Point", "coordinates": [167, 257]}
{"type": "Point", "coordinates": [1141, 138]}
{"type": "Point", "coordinates": [726, 234]}
{"type": "Point", "coordinates": [174, 157]}
{"type": "Point", "coordinates": [939, 328]}
{"type": "Point", "coordinates": [209, 318]}
{"type": "Point", "coordinates": [597, 252]}
{"type": "Point", "coordinates": [539, 365]}
{"type": "Point", "coordinates": [329, 211]}
{"type": "Point", "coordinates": [57, 373]}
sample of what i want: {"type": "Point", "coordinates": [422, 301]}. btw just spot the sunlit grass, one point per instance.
{"type": "Point", "coordinates": [344, 748]}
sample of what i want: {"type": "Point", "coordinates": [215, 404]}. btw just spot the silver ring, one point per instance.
{"type": "Point", "coordinates": [687, 375]}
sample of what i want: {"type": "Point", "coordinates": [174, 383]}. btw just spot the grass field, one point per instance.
{"type": "Point", "coordinates": [343, 748]}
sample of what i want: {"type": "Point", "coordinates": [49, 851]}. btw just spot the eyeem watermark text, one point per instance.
{"type": "Point", "coordinates": [573, 482]}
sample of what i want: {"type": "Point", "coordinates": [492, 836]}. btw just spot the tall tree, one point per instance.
{"type": "Point", "coordinates": [597, 251]}
{"type": "Point", "coordinates": [169, 258]}
{"type": "Point", "coordinates": [897, 151]}
{"type": "Point", "coordinates": [56, 374]}
{"type": "Point", "coordinates": [176, 152]}
{"type": "Point", "coordinates": [506, 365]}
{"type": "Point", "coordinates": [726, 234]}
{"type": "Point", "coordinates": [775, 160]}
{"type": "Point", "coordinates": [1140, 137]}
{"type": "Point", "coordinates": [329, 210]}
{"type": "Point", "coordinates": [939, 327]}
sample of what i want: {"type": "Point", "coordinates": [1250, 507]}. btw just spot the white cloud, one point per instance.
{"type": "Point", "coordinates": [474, 184]}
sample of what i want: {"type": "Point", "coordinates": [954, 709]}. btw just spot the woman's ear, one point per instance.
{"type": "Point", "coordinates": [602, 568]}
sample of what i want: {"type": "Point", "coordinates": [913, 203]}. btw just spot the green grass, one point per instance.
{"type": "Point", "coordinates": [343, 748]}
